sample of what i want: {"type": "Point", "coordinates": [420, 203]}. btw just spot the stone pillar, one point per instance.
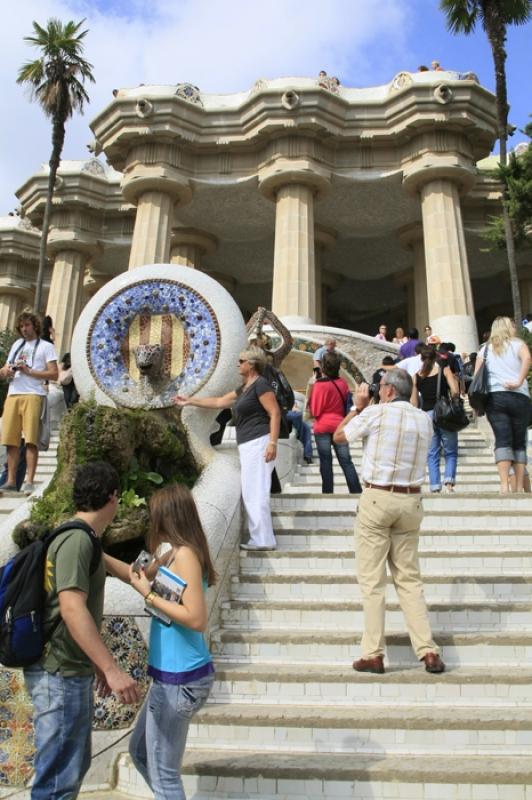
{"type": "Point", "coordinates": [450, 299]}
{"type": "Point", "coordinates": [323, 239]}
{"type": "Point", "coordinates": [188, 246]}
{"type": "Point", "coordinates": [294, 276]}
{"type": "Point", "coordinates": [19, 259]}
{"type": "Point", "coordinates": [155, 188]}
{"type": "Point", "coordinates": [65, 300]}
{"type": "Point", "coordinates": [12, 301]}
{"type": "Point", "coordinates": [411, 237]}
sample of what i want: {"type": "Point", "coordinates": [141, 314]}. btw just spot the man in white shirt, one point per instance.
{"type": "Point", "coordinates": [30, 362]}
{"type": "Point", "coordinates": [396, 439]}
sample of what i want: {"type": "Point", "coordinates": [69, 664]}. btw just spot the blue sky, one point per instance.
{"type": "Point", "coordinates": [225, 45]}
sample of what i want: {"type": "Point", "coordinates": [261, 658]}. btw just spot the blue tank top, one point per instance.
{"type": "Point", "coordinates": [178, 654]}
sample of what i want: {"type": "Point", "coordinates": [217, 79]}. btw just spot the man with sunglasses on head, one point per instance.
{"type": "Point", "coordinates": [396, 438]}
{"type": "Point", "coordinates": [31, 362]}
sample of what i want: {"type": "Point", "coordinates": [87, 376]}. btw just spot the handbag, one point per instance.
{"type": "Point", "coordinates": [347, 400]}
{"type": "Point", "coordinates": [449, 412]}
{"type": "Point", "coordinates": [479, 389]}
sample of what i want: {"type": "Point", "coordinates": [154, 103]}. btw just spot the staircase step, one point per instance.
{"type": "Point", "coordinates": [364, 729]}
{"type": "Point", "coordinates": [432, 502]}
{"type": "Point", "coordinates": [433, 520]}
{"type": "Point", "coordinates": [340, 684]}
{"type": "Point", "coordinates": [311, 541]}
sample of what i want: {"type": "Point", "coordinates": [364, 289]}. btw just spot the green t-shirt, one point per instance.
{"type": "Point", "coordinates": [68, 567]}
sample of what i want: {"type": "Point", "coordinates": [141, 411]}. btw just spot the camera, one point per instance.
{"type": "Point", "coordinates": [373, 389]}
{"type": "Point", "coordinates": [142, 561]}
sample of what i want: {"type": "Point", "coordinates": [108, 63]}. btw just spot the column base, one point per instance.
{"type": "Point", "coordinates": [458, 328]}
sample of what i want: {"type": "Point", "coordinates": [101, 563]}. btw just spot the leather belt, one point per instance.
{"type": "Point", "coordinates": [395, 489]}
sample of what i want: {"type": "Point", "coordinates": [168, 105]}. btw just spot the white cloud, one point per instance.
{"type": "Point", "coordinates": [219, 45]}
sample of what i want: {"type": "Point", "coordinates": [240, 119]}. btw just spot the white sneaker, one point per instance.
{"type": "Point", "coordinates": [28, 488]}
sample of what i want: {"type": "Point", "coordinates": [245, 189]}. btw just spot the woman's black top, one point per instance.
{"type": "Point", "coordinates": [427, 388]}
{"type": "Point", "coordinates": [251, 419]}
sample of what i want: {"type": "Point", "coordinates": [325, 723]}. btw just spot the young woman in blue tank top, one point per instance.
{"type": "Point", "coordinates": [179, 661]}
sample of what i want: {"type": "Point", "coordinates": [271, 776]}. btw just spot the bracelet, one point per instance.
{"type": "Point", "coordinates": [148, 598]}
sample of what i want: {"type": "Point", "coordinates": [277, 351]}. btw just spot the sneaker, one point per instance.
{"type": "Point", "coordinates": [448, 488]}
{"type": "Point", "coordinates": [7, 489]}
{"type": "Point", "coordinates": [28, 488]}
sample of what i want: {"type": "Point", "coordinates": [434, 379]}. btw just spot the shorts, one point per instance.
{"type": "Point", "coordinates": [22, 415]}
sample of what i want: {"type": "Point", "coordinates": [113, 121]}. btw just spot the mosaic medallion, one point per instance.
{"type": "Point", "coordinates": [152, 340]}
{"type": "Point", "coordinates": [16, 730]}
{"type": "Point", "coordinates": [123, 638]}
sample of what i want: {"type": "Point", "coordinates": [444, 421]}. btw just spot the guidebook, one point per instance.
{"type": "Point", "coordinates": [169, 586]}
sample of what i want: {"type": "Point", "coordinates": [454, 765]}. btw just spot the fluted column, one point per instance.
{"type": "Point", "coordinates": [450, 299]}
{"type": "Point", "coordinates": [153, 182]}
{"type": "Point", "coordinates": [11, 305]}
{"type": "Point", "coordinates": [188, 246]}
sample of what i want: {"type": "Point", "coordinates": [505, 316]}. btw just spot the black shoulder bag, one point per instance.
{"type": "Point", "coordinates": [449, 412]}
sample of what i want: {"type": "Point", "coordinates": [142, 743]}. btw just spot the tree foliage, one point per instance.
{"type": "Point", "coordinates": [56, 81]}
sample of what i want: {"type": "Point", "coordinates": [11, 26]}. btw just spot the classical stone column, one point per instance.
{"type": "Point", "coordinates": [324, 238]}
{"type": "Point", "coordinates": [294, 188]}
{"type": "Point", "coordinates": [19, 258]}
{"type": "Point", "coordinates": [65, 300]}
{"type": "Point", "coordinates": [188, 246]}
{"type": "Point", "coordinates": [411, 237]}
{"type": "Point", "coordinates": [155, 188]}
{"type": "Point", "coordinates": [12, 301]}
{"type": "Point", "coordinates": [450, 299]}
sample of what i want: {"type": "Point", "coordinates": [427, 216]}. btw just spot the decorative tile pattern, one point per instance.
{"type": "Point", "coordinates": [124, 640]}
{"type": "Point", "coordinates": [16, 730]}
{"type": "Point", "coordinates": [187, 91]}
{"type": "Point", "coordinates": [158, 311]}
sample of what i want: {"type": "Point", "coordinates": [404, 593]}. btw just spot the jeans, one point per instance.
{"type": "Point", "coordinates": [449, 441]}
{"type": "Point", "coordinates": [324, 442]}
{"type": "Point", "coordinates": [303, 431]}
{"type": "Point", "coordinates": [158, 741]}
{"type": "Point", "coordinates": [508, 414]}
{"type": "Point", "coordinates": [62, 719]}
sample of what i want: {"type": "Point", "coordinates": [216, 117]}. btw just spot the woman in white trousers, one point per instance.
{"type": "Point", "coordinates": [257, 418]}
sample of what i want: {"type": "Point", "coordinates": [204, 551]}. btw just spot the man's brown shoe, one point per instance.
{"type": "Point", "coordinates": [433, 663]}
{"type": "Point", "coordinates": [375, 664]}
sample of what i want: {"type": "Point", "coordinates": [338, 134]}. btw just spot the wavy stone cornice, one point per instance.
{"type": "Point", "coordinates": [379, 116]}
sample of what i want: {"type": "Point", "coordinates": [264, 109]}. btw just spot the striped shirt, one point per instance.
{"type": "Point", "coordinates": [396, 438]}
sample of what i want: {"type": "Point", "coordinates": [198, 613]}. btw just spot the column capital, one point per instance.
{"type": "Point", "coordinates": [300, 171]}
{"type": "Point", "coordinates": [437, 166]}
{"type": "Point", "coordinates": [205, 242]}
{"type": "Point", "coordinates": [410, 235]}
{"type": "Point", "coordinates": [156, 178]}
{"type": "Point", "coordinates": [324, 237]}
{"type": "Point", "coordinates": [60, 240]}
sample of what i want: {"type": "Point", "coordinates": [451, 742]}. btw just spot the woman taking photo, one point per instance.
{"type": "Point", "coordinates": [507, 360]}
{"type": "Point", "coordinates": [327, 403]}
{"type": "Point", "coordinates": [257, 418]}
{"type": "Point", "coordinates": [179, 661]}
{"type": "Point", "coordinates": [425, 386]}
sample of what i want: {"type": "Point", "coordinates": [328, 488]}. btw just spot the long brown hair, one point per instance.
{"type": "Point", "coordinates": [428, 358]}
{"type": "Point", "coordinates": [174, 518]}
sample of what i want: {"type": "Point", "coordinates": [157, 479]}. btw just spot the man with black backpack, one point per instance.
{"type": "Point", "coordinates": [61, 682]}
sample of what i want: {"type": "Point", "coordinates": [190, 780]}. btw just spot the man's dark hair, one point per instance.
{"type": "Point", "coordinates": [412, 333]}
{"type": "Point", "coordinates": [27, 316]}
{"type": "Point", "coordinates": [94, 484]}
{"type": "Point", "coordinates": [419, 347]}
{"type": "Point", "coordinates": [451, 347]}
{"type": "Point", "coordinates": [387, 361]}
{"type": "Point", "coordinates": [330, 365]}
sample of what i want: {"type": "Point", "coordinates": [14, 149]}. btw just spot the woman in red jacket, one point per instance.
{"type": "Point", "coordinates": [327, 406]}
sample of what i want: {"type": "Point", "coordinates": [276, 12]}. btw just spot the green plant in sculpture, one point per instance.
{"type": "Point", "coordinates": [494, 16]}
{"type": "Point", "coordinates": [56, 80]}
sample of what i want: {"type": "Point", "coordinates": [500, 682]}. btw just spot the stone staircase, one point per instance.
{"type": "Point", "coordinates": [289, 718]}
{"type": "Point", "coordinates": [45, 469]}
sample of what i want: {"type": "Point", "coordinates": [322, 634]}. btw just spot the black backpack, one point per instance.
{"type": "Point", "coordinates": [284, 395]}
{"type": "Point", "coordinates": [23, 598]}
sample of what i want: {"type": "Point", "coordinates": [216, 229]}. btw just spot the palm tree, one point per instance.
{"type": "Point", "coordinates": [56, 81]}
{"type": "Point", "coordinates": [495, 16]}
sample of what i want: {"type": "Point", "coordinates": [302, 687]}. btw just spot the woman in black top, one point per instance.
{"type": "Point", "coordinates": [425, 386]}
{"type": "Point", "coordinates": [257, 417]}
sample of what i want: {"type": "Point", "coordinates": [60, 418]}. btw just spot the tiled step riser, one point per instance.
{"type": "Point", "coordinates": [445, 590]}
{"type": "Point", "coordinates": [460, 540]}
{"type": "Point", "coordinates": [478, 654]}
{"type": "Point", "coordinates": [362, 740]}
{"type": "Point", "coordinates": [430, 563]}
{"type": "Point", "coordinates": [286, 521]}
{"type": "Point", "coordinates": [238, 787]}
{"type": "Point", "coordinates": [432, 504]}
{"type": "Point", "coordinates": [277, 619]}
{"type": "Point", "coordinates": [427, 692]}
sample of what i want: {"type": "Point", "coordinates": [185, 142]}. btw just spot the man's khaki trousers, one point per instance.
{"type": "Point", "coordinates": [387, 532]}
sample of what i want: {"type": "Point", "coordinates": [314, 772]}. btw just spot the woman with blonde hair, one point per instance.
{"type": "Point", "coordinates": [257, 418]}
{"type": "Point", "coordinates": [507, 360]}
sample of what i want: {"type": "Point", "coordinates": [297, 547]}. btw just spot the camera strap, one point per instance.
{"type": "Point", "coordinates": [21, 348]}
